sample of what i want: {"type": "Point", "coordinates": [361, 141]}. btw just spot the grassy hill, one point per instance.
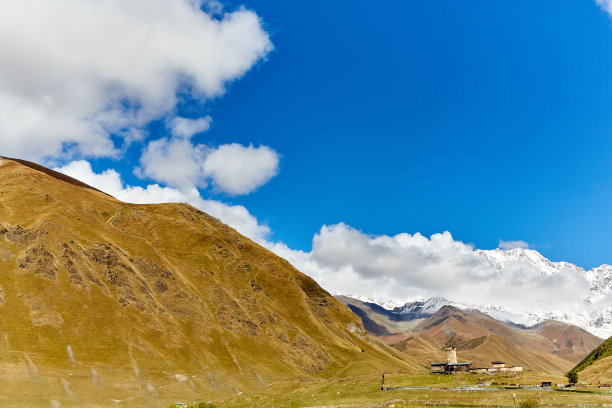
{"type": "Point", "coordinates": [104, 303]}
{"type": "Point", "coordinates": [597, 366]}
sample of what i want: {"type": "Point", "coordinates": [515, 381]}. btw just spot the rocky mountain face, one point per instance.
{"type": "Point", "coordinates": [103, 302]}
{"type": "Point", "coordinates": [550, 346]}
{"type": "Point", "coordinates": [422, 309]}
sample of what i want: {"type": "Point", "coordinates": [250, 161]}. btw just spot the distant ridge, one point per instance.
{"type": "Point", "coordinates": [550, 346]}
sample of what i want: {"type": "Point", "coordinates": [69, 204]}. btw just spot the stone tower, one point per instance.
{"type": "Point", "coordinates": [451, 355]}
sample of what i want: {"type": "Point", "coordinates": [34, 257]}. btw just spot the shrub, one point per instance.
{"type": "Point", "coordinates": [529, 404]}
{"type": "Point", "coordinates": [572, 376]}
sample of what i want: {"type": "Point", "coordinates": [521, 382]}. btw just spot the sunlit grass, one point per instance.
{"type": "Point", "coordinates": [365, 392]}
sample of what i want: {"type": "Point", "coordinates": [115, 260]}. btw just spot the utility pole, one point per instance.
{"type": "Point", "coordinates": [382, 387]}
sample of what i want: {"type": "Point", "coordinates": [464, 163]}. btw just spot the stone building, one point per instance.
{"type": "Point", "coordinates": [452, 366]}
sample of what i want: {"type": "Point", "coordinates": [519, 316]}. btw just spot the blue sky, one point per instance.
{"type": "Point", "coordinates": [492, 120]}
{"type": "Point", "coordinates": [329, 130]}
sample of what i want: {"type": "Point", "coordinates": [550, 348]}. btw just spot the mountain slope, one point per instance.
{"type": "Point", "coordinates": [569, 341]}
{"type": "Point", "coordinates": [102, 300]}
{"type": "Point", "coordinates": [599, 372]}
{"type": "Point", "coordinates": [597, 365]}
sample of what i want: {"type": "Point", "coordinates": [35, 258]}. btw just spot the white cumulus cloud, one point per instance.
{"type": "Point", "coordinates": [186, 128]}
{"type": "Point", "coordinates": [73, 72]}
{"type": "Point", "coordinates": [237, 169]}
{"type": "Point", "coordinates": [176, 162]}
{"type": "Point", "coordinates": [232, 168]}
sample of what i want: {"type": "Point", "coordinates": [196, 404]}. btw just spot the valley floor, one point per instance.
{"type": "Point", "coordinates": [337, 391]}
{"type": "Point", "coordinates": [435, 390]}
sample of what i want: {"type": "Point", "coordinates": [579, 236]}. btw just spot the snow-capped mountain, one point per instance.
{"type": "Point", "coordinates": [383, 301]}
{"type": "Point", "coordinates": [426, 307]}
{"type": "Point", "coordinates": [500, 258]}
{"type": "Point", "coordinates": [599, 278]}
{"type": "Point", "coordinates": [595, 316]}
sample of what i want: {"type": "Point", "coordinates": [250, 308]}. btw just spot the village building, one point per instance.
{"type": "Point", "coordinates": [452, 366]}
{"type": "Point", "coordinates": [496, 369]}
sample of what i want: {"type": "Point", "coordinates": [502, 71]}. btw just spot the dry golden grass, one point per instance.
{"type": "Point", "coordinates": [599, 372]}
{"type": "Point", "coordinates": [104, 303]}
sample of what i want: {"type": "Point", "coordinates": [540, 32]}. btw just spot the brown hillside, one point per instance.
{"type": "Point", "coordinates": [570, 342]}
{"type": "Point", "coordinates": [106, 303]}
{"type": "Point", "coordinates": [481, 339]}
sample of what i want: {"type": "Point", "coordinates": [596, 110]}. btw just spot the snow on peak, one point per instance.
{"type": "Point", "coordinates": [500, 258]}
{"type": "Point", "coordinates": [425, 307]}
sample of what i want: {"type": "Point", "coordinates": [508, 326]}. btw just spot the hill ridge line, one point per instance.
{"type": "Point", "coordinates": [55, 174]}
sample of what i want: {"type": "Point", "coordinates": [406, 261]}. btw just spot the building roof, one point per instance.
{"type": "Point", "coordinates": [497, 362]}
{"type": "Point", "coordinates": [438, 364]}
{"type": "Point", "coordinates": [459, 364]}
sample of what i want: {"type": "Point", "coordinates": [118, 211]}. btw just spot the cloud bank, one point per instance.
{"type": "Point", "coordinates": [75, 72]}
{"type": "Point", "coordinates": [407, 267]}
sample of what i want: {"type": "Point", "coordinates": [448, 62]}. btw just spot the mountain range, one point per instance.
{"type": "Point", "coordinates": [593, 315]}
{"type": "Point", "coordinates": [550, 346]}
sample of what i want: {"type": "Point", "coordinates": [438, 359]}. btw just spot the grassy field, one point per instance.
{"type": "Point", "coordinates": [365, 392]}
